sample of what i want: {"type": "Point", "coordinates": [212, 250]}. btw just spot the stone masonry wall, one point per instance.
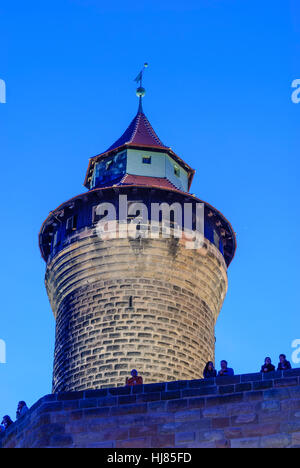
{"type": "Point", "coordinates": [248, 411]}
{"type": "Point", "coordinates": [121, 304]}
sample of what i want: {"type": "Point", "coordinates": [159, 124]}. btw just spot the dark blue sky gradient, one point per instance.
{"type": "Point", "coordinates": [218, 92]}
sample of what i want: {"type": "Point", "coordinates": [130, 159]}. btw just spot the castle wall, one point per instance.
{"type": "Point", "coordinates": [247, 411]}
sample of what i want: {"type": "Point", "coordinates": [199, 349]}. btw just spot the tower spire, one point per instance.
{"type": "Point", "coordinates": [140, 92]}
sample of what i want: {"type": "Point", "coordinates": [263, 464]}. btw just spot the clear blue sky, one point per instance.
{"type": "Point", "coordinates": [218, 92]}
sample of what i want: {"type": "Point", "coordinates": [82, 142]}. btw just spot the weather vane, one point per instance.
{"type": "Point", "coordinates": [140, 92]}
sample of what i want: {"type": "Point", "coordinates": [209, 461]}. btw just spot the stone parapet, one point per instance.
{"type": "Point", "coordinates": [245, 411]}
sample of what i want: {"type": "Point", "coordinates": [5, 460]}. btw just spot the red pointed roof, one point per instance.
{"type": "Point", "coordinates": [139, 132]}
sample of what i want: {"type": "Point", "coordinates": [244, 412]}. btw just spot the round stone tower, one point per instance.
{"type": "Point", "coordinates": [129, 290]}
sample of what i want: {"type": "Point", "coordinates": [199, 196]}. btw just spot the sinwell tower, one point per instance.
{"type": "Point", "coordinates": [140, 301]}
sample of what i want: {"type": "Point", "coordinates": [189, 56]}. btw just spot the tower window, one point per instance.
{"type": "Point", "coordinates": [71, 224]}
{"type": "Point", "coordinates": [108, 165]}
{"type": "Point", "coordinates": [96, 217]}
{"type": "Point", "coordinates": [56, 239]}
{"type": "Point", "coordinates": [177, 171]}
{"type": "Point", "coordinates": [146, 159]}
{"type": "Point", "coordinates": [216, 239]}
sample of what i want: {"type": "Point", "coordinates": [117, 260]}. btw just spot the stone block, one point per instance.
{"type": "Point", "coordinates": [220, 423]}
{"type": "Point", "coordinates": [96, 412]}
{"type": "Point", "coordinates": [96, 393]}
{"type": "Point", "coordinates": [254, 396]}
{"type": "Point", "coordinates": [187, 415]}
{"type": "Point", "coordinates": [246, 443]}
{"type": "Point", "coordinates": [157, 387]}
{"type": "Point", "coordinates": [253, 430]}
{"type": "Point", "coordinates": [295, 392]}
{"type": "Point", "coordinates": [225, 399]}
{"type": "Point", "coordinates": [71, 405]}
{"type": "Point", "coordinates": [210, 435]}
{"type": "Point", "coordinates": [51, 407]}
{"type": "Point", "coordinates": [177, 385]}
{"type": "Point", "coordinates": [276, 441]}
{"type": "Point", "coordinates": [291, 373]}
{"type": "Point", "coordinates": [272, 417]}
{"type": "Point", "coordinates": [126, 400]}
{"type": "Point", "coordinates": [215, 412]}
{"type": "Point", "coordinates": [184, 437]}
{"type": "Point", "coordinates": [228, 380]}
{"type": "Point", "coordinates": [226, 389]}
{"type": "Point", "coordinates": [138, 389]}
{"type": "Point", "coordinates": [246, 418]}
{"type": "Point", "coordinates": [108, 401]}
{"type": "Point", "coordinates": [157, 406]}
{"type": "Point", "coordinates": [120, 391]}
{"type": "Point", "coordinates": [251, 377]}
{"type": "Point", "coordinates": [270, 406]}
{"type": "Point", "coordinates": [277, 394]}
{"type": "Point", "coordinates": [148, 397]}
{"type": "Point", "coordinates": [287, 382]}
{"type": "Point", "coordinates": [203, 445]}
{"type": "Point", "coordinates": [233, 433]}
{"type": "Point", "coordinates": [149, 430]}
{"type": "Point", "coordinates": [265, 384]}
{"type": "Point", "coordinates": [61, 441]}
{"type": "Point", "coordinates": [177, 405]}
{"type": "Point", "coordinates": [129, 409]}
{"type": "Point", "coordinates": [190, 392]}
{"type": "Point", "coordinates": [290, 404]}
{"type": "Point", "coordinates": [272, 375]}
{"type": "Point", "coordinates": [196, 402]}
{"type": "Point", "coordinates": [164, 441]}
{"type": "Point", "coordinates": [88, 403]}
{"type": "Point", "coordinates": [290, 427]}
{"type": "Point", "coordinates": [113, 434]}
{"type": "Point", "coordinates": [201, 383]}
{"type": "Point", "coordinates": [100, 445]}
{"type": "Point", "coordinates": [296, 439]}
{"type": "Point", "coordinates": [243, 387]}
{"type": "Point", "coordinates": [240, 408]}
{"type": "Point", "coordinates": [172, 395]}
{"type": "Point", "coordinates": [70, 396]}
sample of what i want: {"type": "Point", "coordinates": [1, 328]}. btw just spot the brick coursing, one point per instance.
{"type": "Point", "coordinates": [167, 334]}
{"type": "Point", "coordinates": [167, 415]}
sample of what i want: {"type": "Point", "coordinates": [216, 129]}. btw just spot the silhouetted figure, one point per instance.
{"type": "Point", "coordinates": [268, 366]}
{"type": "Point", "coordinates": [135, 379]}
{"type": "Point", "coordinates": [22, 409]}
{"type": "Point", "coordinates": [6, 422]}
{"type": "Point", "coordinates": [209, 371]}
{"type": "Point", "coordinates": [225, 370]}
{"type": "Point", "coordinates": [283, 363]}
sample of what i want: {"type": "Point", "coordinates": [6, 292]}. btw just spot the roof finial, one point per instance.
{"type": "Point", "coordinates": [140, 92]}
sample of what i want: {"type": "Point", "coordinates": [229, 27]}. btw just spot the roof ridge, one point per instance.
{"type": "Point", "coordinates": [136, 126]}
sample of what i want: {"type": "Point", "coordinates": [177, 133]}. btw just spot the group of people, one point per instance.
{"type": "Point", "coordinates": [7, 421]}
{"type": "Point", "coordinates": [210, 371]}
